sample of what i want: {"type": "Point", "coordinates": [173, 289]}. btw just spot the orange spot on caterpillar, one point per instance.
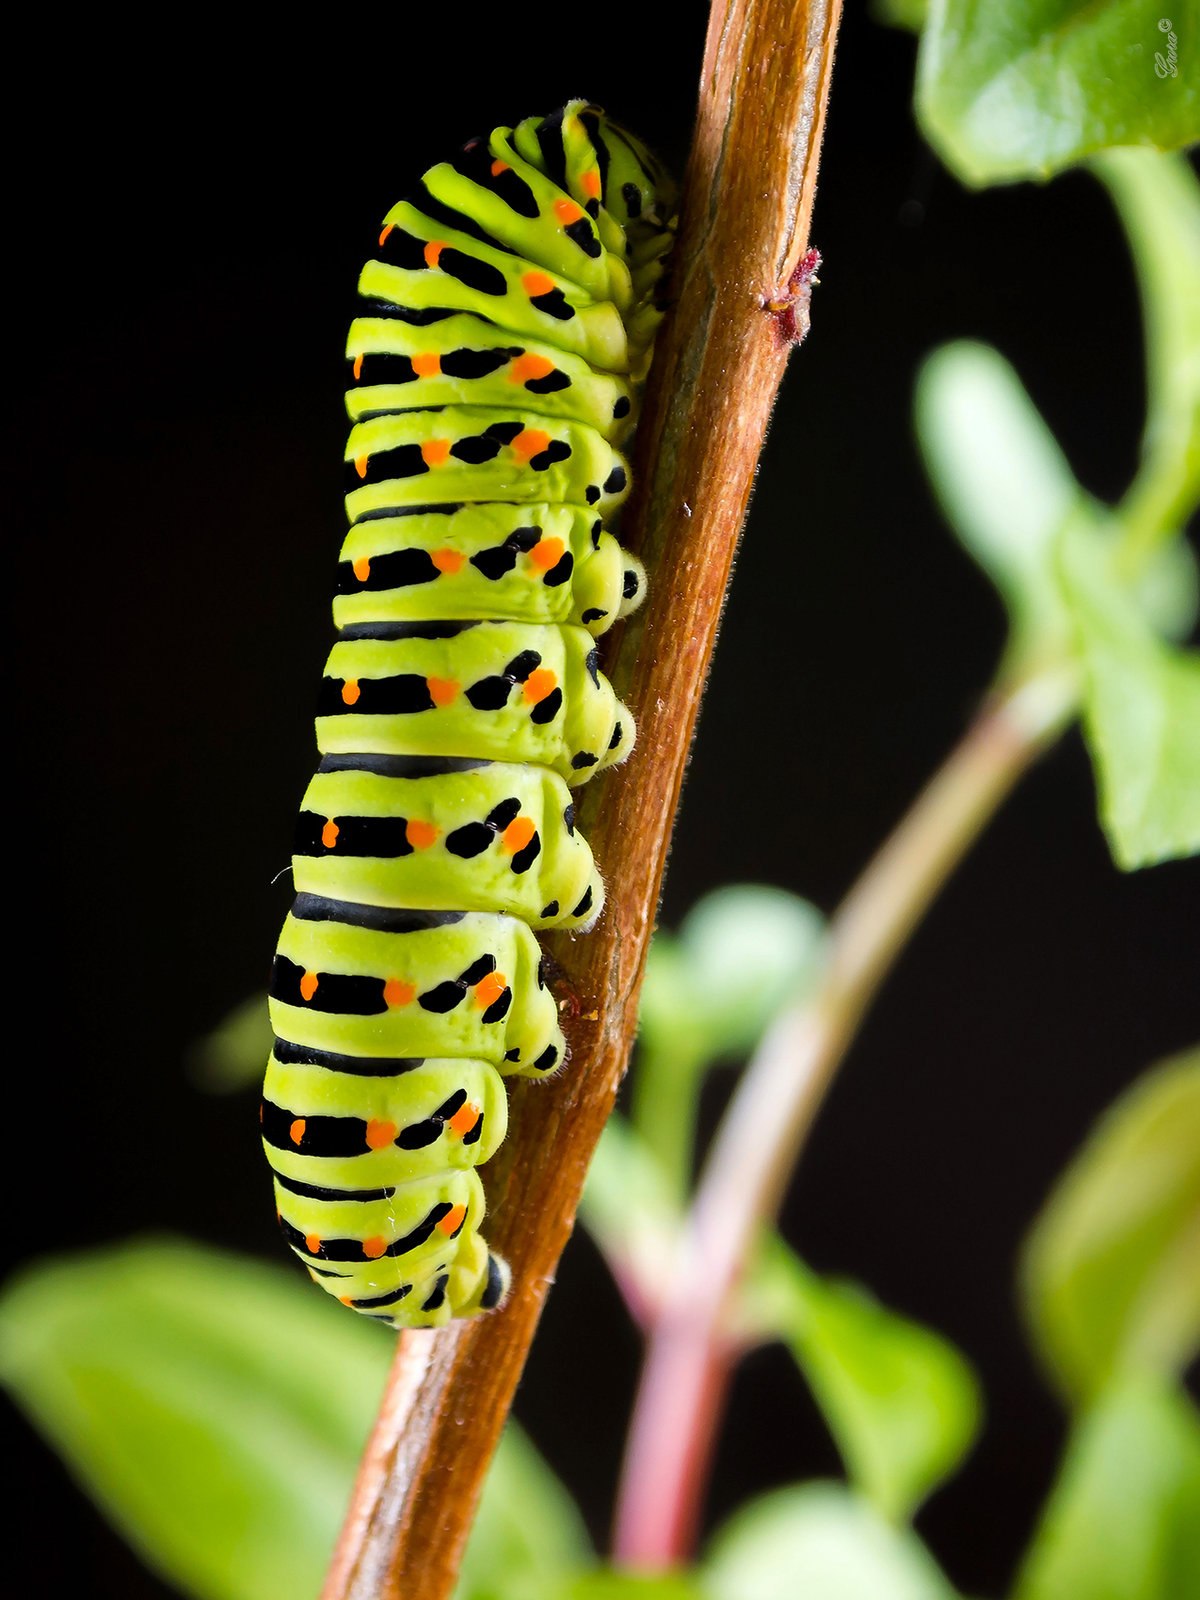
{"type": "Point", "coordinates": [530, 442]}
{"type": "Point", "coordinates": [540, 682]}
{"type": "Point", "coordinates": [380, 1134]}
{"type": "Point", "coordinates": [296, 1131]}
{"type": "Point", "coordinates": [312, 1243]}
{"type": "Point", "coordinates": [488, 990]}
{"type": "Point", "coordinates": [329, 834]}
{"type": "Point", "coordinates": [358, 361]}
{"type": "Point", "coordinates": [374, 1248]}
{"type": "Point", "coordinates": [420, 834]}
{"type": "Point", "coordinates": [433, 250]}
{"type": "Point", "coordinates": [527, 366]}
{"type": "Point", "coordinates": [345, 1299]}
{"type": "Point", "coordinates": [427, 365]}
{"type": "Point", "coordinates": [547, 553]}
{"type": "Point", "coordinates": [362, 568]}
{"type": "Point", "coordinates": [308, 985]}
{"type": "Point", "coordinates": [447, 560]}
{"type": "Point", "coordinates": [464, 1119]}
{"type": "Point", "coordinates": [567, 212]}
{"type": "Point", "coordinates": [536, 283]}
{"type": "Point", "coordinates": [498, 167]}
{"type": "Point", "coordinates": [442, 690]}
{"type": "Point", "coordinates": [360, 465]}
{"type": "Point", "coordinates": [351, 691]}
{"type": "Point", "coordinates": [383, 236]}
{"type": "Point", "coordinates": [518, 834]}
{"type": "Point", "coordinates": [398, 993]}
{"type": "Point", "coordinates": [452, 1221]}
{"type": "Point", "coordinates": [591, 183]}
{"type": "Point", "coordinates": [435, 452]}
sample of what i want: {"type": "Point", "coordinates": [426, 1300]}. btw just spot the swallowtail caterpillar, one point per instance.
{"type": "Point", "coordinates": [508, 323]}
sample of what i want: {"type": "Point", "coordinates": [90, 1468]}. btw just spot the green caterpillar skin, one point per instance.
{"type": "Point", "coordinates": [494, 377]}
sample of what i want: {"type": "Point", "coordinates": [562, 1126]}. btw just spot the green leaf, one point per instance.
{"type": "Point", "coordinates": [1158, 198]}
{"type": "Point", "coordinates": [740, 953]}
{"type": "Point", "coordinates": [1111, 1271]}
{"type": "Point", "coordinates": [818, 1541]}
{"type": "Point", "coordinates": [1123, 1520]}
{"type": "Point", "coordinates": [628, 1209]}
{"type": "Point", "coordinates": [215, 1409]}
{"type": "Point", "coordinates": [710, 992]}
{"type": "Point", "coordinates": [901, 1403]}
{"type": "Point", "coordinates": [234, 1054]}
{"type": "Point", "coordinates": [1141, 715]}
{"type": "Point", "coordinates": [609, 1585]}
{"type": "Point", "coordinates": [1005, 487]}
{"type": "Point", "coordinates": [907, 14]}
{"type": "Point", "coordinates": [1011, 89]}
{"type": "Point", "coordinates": [528, 1536]}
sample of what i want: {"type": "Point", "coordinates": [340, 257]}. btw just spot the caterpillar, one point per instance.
{"type": "Point", "coordinates": [494, 371]}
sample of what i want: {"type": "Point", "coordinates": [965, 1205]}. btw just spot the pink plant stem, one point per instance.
{"type": "Point", "coordinates": [690, 1354]}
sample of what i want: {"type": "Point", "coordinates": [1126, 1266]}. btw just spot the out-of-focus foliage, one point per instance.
{"type": "Point", "coordinates": [900, 1401]}
{"type": "Point", "coordinates": [1123, 1520]}
{"type": "Point", "coordinates": [1095, 595]}
{"type": "Point", "coordinates": [216, 1409]}
{"type": "Point", "coordinates": [1142, 713]}
{"type": "Point", "coordinates": [740, 952]}
{"type": "Point", "coordinates": [819, 1541]}
{"type": "Point", "coordinates": [1006, 490]}
{"type": "Point", "coordinates": [1012, 89]}
{"type": "Point", "coordinates": [629, 1209]}
{"type": "Point", "coordinates": [1112, 1267]}
{"type": "Point", "coordinates": [607, 1584]}
{"type": "Point", "coordinates": [1158, 200]}
{"type": "Point", "coordinates": [528, 1539]}
{"type": "Point", "coordinates": [235, 1053]}
{"type": "Point", "coordinates": [710, 990]}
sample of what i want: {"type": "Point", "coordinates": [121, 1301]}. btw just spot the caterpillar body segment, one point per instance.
{"type": "Point", "coordinates": [508, 319]}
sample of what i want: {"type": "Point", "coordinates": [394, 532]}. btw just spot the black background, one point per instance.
{"type": "Point", "coordinates": [193, 251]}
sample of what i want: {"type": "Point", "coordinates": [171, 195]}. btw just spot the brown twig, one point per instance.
{"type": "Point", "coordinates": [746, 209]}
{"type": "Point", "coordinates": [690, 1353]}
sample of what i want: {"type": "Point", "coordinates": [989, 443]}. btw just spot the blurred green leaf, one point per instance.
{"type": "Point", "coordinates": [214, 1408]}
{"type": "Point", "coordinates": [1141, 713]}
{"type": "Point", "coordinates": [907, 14]}
{"type": "Point", "coordinates": [740, 953]}
{"type": "Point", "coordinates": [1111, 1271]}
{"type": "Point", "coordinates": [629, 1210]}
{"type": "Point", "coordinates": [711, 991]}
{"type": "Point", "coordinates": [608, 1585]}
{"type": "Point", "coordinates": [1158, 198]}
{"type": "Point", "coordinates": [1011, 89]}
{"type": "Point", "coordinates": [1005, 487]}
{"type": "Point", "coordinates": [528, 1536]}
{"type": "Point", "coordinates": [819, 1541]}
{"type": "Point", "coordinates": [901, 1403]}
{"type": "Point", "coordinates": [1123, 1520]}
{"type": "Point", "coordinates": [1165, 591]}
{"type": "Point", "coordinates": [235, 1053]}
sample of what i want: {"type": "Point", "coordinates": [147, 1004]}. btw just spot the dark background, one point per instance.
{"type": "Point", "coordinates": [193, 254]}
